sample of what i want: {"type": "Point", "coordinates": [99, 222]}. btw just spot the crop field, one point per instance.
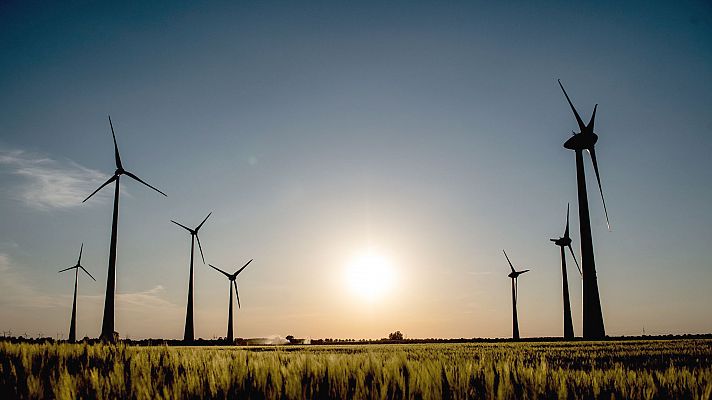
{"type": "Point", "coordinates": [611, 369]}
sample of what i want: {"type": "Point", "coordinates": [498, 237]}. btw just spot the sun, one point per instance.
{"type": "Point", "coordinates": [369, 275]}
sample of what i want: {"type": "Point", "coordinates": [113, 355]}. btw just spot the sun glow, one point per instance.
{"type": "Point", "coordinates": [369, 275]}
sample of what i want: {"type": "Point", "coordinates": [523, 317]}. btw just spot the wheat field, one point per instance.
{"type": "Point", "coordinates": [611, 369]}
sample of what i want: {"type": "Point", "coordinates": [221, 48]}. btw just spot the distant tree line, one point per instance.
{"type": "Point", "coordinates": [393, 338]}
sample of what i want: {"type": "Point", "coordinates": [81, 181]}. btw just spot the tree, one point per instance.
{"type": "Point", "coordinates": [397, 335]}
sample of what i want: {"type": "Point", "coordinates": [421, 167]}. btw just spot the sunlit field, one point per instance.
{"type": "Point", "coordinates": [630, 369]}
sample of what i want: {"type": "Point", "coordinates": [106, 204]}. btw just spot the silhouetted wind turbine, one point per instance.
{"type": "Point", "coordinates": [233, 283]}
{"type": "Point", "coordinates": [563, 242]}
{"type": "Point", "coordinates": [593, 327]}
{"type": "Point", "coordinates": [514, 275]}
{"type": "Point", "coordinates": [189, 332]}
{"type": "Point", "coordinates": [107, 326]}
{"type": "Point", "coordinates": [73, 324]}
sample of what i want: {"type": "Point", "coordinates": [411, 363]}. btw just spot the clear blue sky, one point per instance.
{"type": "Point", "coordinates": [429, 133]}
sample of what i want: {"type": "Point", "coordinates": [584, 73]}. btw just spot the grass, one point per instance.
{"type": "Point", "coordinates": [631, 369]}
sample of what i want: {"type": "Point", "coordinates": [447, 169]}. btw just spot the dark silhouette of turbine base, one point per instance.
{"type": "Point", "coordinates": [107, 326]}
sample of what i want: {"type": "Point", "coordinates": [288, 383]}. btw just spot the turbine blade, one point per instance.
{"type": "Point", "coordinates": [243, 267]}
{"type": "Point", "coordinates": [576, 261]}
{"type": "Point", "coordinates": [117, 157]}
{"type": "Point", "coordinates": [219, 270]}
{"type": "Point", "coordinates": [84, 269]}
{"type": "Point", "coordinates": [201, 224]}
{"type": "Point", "coordinates": [510, 263]}
{"type": "Point", "coordinates": [80, 254]}
{"type": "Point", "coordinates": [67, 269]}
{"type": "Point", "coordinates": [578, 117]}
{"type": "Point", "coordinates": [566, 232]}
{"type": "Point", "coordinates": [140, 180]}
{"type": "Point", "coordinates": [521, 272]}
{"type": "Point", "coordinates": [592, 121]}
{"type": "Point", "coordinates": [592, 151]}
{"type": "Point", "coordinates": [200, 247]}
{"type": "Point", "coordinates": [182, 226]}
{"type": "Point", "coordinates": [236, 294]}
{"type": "Point", "coordinates": [113, 178]}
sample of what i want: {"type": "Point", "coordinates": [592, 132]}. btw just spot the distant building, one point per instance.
{"type": "Point", "coordinates": [268, 341]}
{"type": "Point", "coordinates": [299, 341]}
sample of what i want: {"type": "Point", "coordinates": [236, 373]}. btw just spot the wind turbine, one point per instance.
{"type": "Point", "coordinates": [233, 283]}
{"type": "Point", "coordinates": [76, 268]}
{"type": "Point", "coordinates": [514, 275]}
{"type": "Point", "coordinates": [593, 327]}
{"type": "Point", "coordinates": [189, 332]}
{"type": "Point", "coordinates": [107, 326]}
{"type": "Point", "coordinates": [563, 242]}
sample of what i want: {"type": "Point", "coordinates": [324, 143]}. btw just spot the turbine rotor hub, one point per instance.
{"type": "Point", "coordinates": [581, 141]}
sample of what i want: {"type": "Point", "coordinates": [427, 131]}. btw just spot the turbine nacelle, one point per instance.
{"type": "Point", "coordinates": [233, 276]}
{"type": "Point", "coordinates": [586, 140]}
{"type": "Point", "coordinates": [515, 274]}
{"type": "Point", "coordinates": [232, 279]}
{"type": "Point", "coordinates": [120, 170]}
{"type": "Point", "coordinates": [562, 241]}
{"type": "Point", "coordinates": [565, 241]}
{"type": "Point", "coordinates": [581, 141]}
{"type": "Point", "coordinates": [79, 266]}
{"type": "Point", "coordinates": [194, 233]}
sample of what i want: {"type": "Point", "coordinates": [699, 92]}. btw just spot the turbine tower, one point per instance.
{"type": "Point", "coordinates": [107, 326]}
{"type": "Point", "coordinates": [73, 324]}
{"type": "Point", "coordinates": [514, 275]}
{"type": "Point", "coordinates": [189, 332]}
{"type": "Point", "coordinates": [563, 242]}
{"type": "Point", "coordinates": [233, 283]}
{"type": "Point", "coordinates": [593, 328]}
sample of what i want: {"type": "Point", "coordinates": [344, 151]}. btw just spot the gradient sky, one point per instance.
{"type": "Point", "coordinates": [430, 133]}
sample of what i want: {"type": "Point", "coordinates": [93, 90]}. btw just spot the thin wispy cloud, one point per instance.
{"type": "Point", "coordinates": [148, 298]}
{"type": "Point", "coordinates": [16, 289]}
{"type": "Point", "coordinates": [143, 313]}
{"type": "Point", "coordinates": [46, 183]}
{"type": "Point", "coordinates": [479, 273]}
{"type": "Point", "coordinates": [9, 244]}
